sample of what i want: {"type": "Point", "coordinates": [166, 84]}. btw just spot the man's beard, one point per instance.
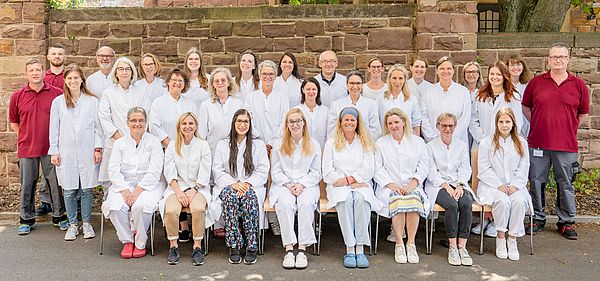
{"type": "Point", "coordinates": [57, 64]}
{"type": "Point", "coordinates": [105, 65]}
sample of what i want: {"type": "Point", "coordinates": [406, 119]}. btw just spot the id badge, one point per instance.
{"type": "Point", "coordinates": [538, 153]}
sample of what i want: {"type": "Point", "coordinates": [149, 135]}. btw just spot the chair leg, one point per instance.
{"type": "Point", "coordinates": [531, 236]}
{"type": "Point", "coordinates": [101, 233]}
{"type": "Point", "coordinates": [431, 230]}
{"type": "Point", "coordinates": [481, 213]}
{"type": "Point", "coordinates": [315, 229]}
{"type": "Point", "coordinates": [152, 225]}
{"type": "Point", "coordinates": [427, 250]}
{"type": "Point", "coordinates": [319, 234]}
{"type": "Point", "coordinates": [206, 235]}
{"type": "Point", "coordinates": [376, 234]}
{"type": "Point", "coordinates": [370, 236]}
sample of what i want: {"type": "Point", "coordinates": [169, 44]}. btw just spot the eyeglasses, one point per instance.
{"type": "Point", "coordinates": [137, 121]}
{"type": "Point", "coordinates": [472, 72]}
{"type": "Point", "coordinates": [177, 81]}
{"type": "Point", "coordinates": [376, 66]}
{"type": "Point", "coordinates": [220, 81]}
{"type": "Point", "coordinates": [328, 61]}
{"type": "Point", "coordinates": [245, 122]}
{"type": "Point", "coordinates": [124, 69]}
{"type": "Point", "coordinates": [148, 64]}
{"type": "Point", "coordinates": [105, 56]}
{"type": "Point", "coordinates": [355, 83]}
{"type": "Point", "coordinates": [515, 65]}
{"type": "Point", "coordinates": [267, 74]}
{"type": "Point", "coordinates": [562, 58]}
{"type": "Point", "coordinates": [444, 126]}
{"type": "Point", "coordinates": [295, 121]}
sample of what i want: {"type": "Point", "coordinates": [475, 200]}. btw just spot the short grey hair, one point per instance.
{"type": "Point", "coordinates": [137, 109]}
{"type": "Point", "coordinates": [268, 63]}
{"type": "Point", "coordinates": [113, 72]}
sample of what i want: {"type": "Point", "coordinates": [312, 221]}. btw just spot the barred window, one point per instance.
{"type": "Point", "coordinates": [488, 17]}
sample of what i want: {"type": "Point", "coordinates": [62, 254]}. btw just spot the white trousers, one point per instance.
{"type": "Point", "coordinates": [140, 223]}
{"type": "Point", "coordinates": [286, 207]}
{"type": "Point", "coordinates": [354, 216]}
{"type": "Point", "coordinates": [509, 211]}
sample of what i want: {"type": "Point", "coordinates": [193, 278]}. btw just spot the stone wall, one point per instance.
{"type": "Point", "coordinates": [578, 21]}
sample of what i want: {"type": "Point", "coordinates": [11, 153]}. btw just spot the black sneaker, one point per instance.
{"type": "Point", "coordinates": [250, 257]}
{"type": "Point", "coordinates": [568, 231]}
{"type": "Point", "coordinates": [173, 256]}
{"type": "Point", "coordinates": [537, 227]}
{"type": "Point", "coordinates": [197, 257]}
{"type": "Point", "coordinates": [234, 256]}
{"type": "Point", "coordinates": [184, 236]}
{"type": "Point", "coordinates": [43, 210]}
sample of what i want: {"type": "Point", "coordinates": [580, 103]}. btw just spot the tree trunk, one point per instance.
{"type": "Point", "coordinates": [532, 15]}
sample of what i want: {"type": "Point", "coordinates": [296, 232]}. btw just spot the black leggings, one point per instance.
{"type": "Point", "coordinates": [458, 214]}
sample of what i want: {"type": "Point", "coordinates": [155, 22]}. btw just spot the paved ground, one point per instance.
{"type": "Point", "coordinates": [44, 255]}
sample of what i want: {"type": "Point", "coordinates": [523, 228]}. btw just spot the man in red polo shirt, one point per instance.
{"type": "Point", "coordinates": [29, 114]}
{"type": "Point", "coordinates": [53, 77]}
{"type": "Point", "coordinates": [555, 103]}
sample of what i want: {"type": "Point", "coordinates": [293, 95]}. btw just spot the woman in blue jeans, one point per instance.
{"type": "Point", "coordinates": [76, 148]}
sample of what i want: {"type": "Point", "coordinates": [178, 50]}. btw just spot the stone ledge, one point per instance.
{"type": "Point", "coordinates": [523, 40]}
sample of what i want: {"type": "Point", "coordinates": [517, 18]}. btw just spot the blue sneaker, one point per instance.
{"type": "Point", "coordinates": [362, 261]}
{"type": "Point", "coordinates": [350, 260]}
{"type": "Point", "coordinates": [63, 225]}
{"type": "Point", "coordinates": [24, 229]}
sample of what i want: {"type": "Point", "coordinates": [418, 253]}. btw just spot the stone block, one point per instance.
{"type": "Point", "coordinates": [427, 5]}
{"type": "Point", "coordinates": [331, 25]}
{"type": "Point", "coordinates": [70, 45]}
{"type": "Point", "coordinates": [309, 28]}
{"type": "Point", "coordinates": [135, 46]}
{"type": "Point", "coordinates": [463, 57]}
{"type": "Point", "coordinates": [400, 22]}
{"type": "Point", "coordinates": [522, 40]}
{"type": "Point", "coordinates": [224, 59]}
{"type": "Point", "coordinates": [472, 7]}
{"type": "Point", "coordinates": [278, 30]}
{"type": "Point", "coordinates": [433, 22]}
{"type": "Point", "coordinates": [81, 61]}
{"type": "Point", "coordinates": [469, 41]}
{"type": "Point", "coordinates": [345, 62]}
{"type": "Point", "coordinates": [154, 40]}
{"type": "Point", "coordinates": [3, 127]}
{"type": "Point", "coordinates": [464, 23]}
{"type": "Point", "coordinates": [242, 44]}
{"type": "Point", "coordinates": [211, 45]}
{"type": "Point", "coordinates": [39, 31]}
{"type": "Point", "coordinates": [26, 47]}
{"type": "Point", "coordinates": [450, 43]}
{"type": "Point", "coordinates": [535, 64]}
{"type": "Point", "coordinates": [488, 57]}
{"type": "Point", "coordinates": [6, 46]}
{"type": "Point", "coordinates": [247, 28]}
{"type": "Point", "coordinates": [161, 49]}
{"type": "Point", "coordinates": [390, 39]}
{"type": "Point", "coordinates": [34, 12]}
{"type": "Point", "coordinates": [185, 44]}
{"type": "Point", "coordinates": [424, 42]}
{"type": "Point", "coordinates": [452, 6]}
{"type": "Point", "coordinates": [269, 56]}
{"type": "Point", "coordinates": [124, 30]}
{"type": "Point", "coordinates": [14, 83]}
{"type": "Point", "coordinates": [202, 32]}
{"type": "Point", "coordinates": [161, 29]}
{"type": "Point", "coordinates": [121, 46]}
{"type": "Point", "coordinates": [374, 23]}
{"type": "Point", "coordinates": [21, 31]}
{"type": "Point", "coordinates": [432, 56]}
{"type": "Point", "coordinates": [10, 13]}
{"type": "Point", "coordinates": [317, 44]}
{"type": "Point", "coordinates": [583, 64]}
{"type": "Point", "coordinates": [8, 141]}
{"type": "Point", "coordinates": [590, 78]}
{"type": "Point", "coordinates": [355, 43]}
{"type": "Point", "coordinates": [77, 30]}
{"type": "Point", "coordinates": [295, 45]}
{"type": "Point", "coordinates": [88, 47]}
{"type": "Point", "coordinates": [57, 29]}
{"type": "Point", "coordinates": [98, 30]}
{"type": "Point", "coordinates": [337, 43]}
{"type": "Point", "coordinates": [347, 23]}
{"type": "Point", "coordinates": [595, 97]}
{"type": "Point", "coordinates": [221, 28]}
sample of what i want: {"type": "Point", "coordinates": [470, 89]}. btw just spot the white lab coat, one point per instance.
{"type": "Point", "coordinates": [290, 87]}
{"type": "Point", "coordinates": [268, 114]}
{"type": "Point", "coordinates": [449, 165]}
{"type": "Point", "coordinates": [483, 115]}
{"type": "Point", "coordinates": [525, 129]}
{"type": "Point", "coordinates": [152, 91]}
{"type": "Point", "coordinates": [418, 90]}
{"type": "Point", "coordinates": [373, 94]}
{"type": "Point", "coordinates": [316, 121]}
{"type": "Point", "coordinates": [223, 177]}
{"type": "Point", "coordinates": [334, 91]}
{"type": "Point", "coordinates": [97, 83]}
{"type": "Point", "coordinates": [191, 170]}
{"type": "Point", "coordinates": [410, 107]}
{"type": "Point", "coordinates": [197, 94]}
{"type": "Point", "coordinates": [436, 101]}
{"type": "Point", "coordinates": [399, 163]}
{"type": "Point", "coordinates": [132, 166]}
{"type": "Point", "coordinates": [368, 113]}
{"type": "Point", "coordinates": [298, 168]}
{"type": "Point", "coordinates": [501, 167]}
{"type": "Point", "coordinates": [165, 113]}
{"type": "Point", "coordinates": [352, 160]}
{"type": "Point", "coordinates": [246, 88]}
{"type": "Point", "coordinates": [214, 119]}
{"type": "Point", "coordinates": [74, 135]}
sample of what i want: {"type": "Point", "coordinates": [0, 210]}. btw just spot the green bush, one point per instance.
{"type": "Point", "coordinates": [66, 4]}
{"type": "Point", "coordinates": [586, 181]}
{"type": "Point", "coordinates": [302, 2]}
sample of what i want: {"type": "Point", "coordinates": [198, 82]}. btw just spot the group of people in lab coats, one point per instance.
{"type": "Point", "coordinates": [206, 145]}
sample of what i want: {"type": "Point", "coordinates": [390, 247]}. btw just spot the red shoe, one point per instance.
{"type": "Point", "coordinates": [219, 232]}
{"type": "Point", "coordinates": [127, 251]}
{"type": "Point", "coordinates": [138, 253]}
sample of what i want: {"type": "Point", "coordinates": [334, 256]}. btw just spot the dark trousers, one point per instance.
{"type": "Point", "coordinates": [29, 169]}
{"type": "Point", "coordinates": [458, 214]}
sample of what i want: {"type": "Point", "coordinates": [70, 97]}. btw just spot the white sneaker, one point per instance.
{"type": "Point", "coordinates": [411, 253]}
{"type": "Point", "coordinates": [513, 250]}
{"type": "Point", "coordinates": [391, 237]}
{"type": "Point", "coordinates": [465, 258]}
{"type": "Point", "coordinates": [490, 231]}
{"type": "Point", "coordinates": [476, 229]}
{"type": "Point", "coordinates": [275, 228]}
{"type": "Point", "coordinates": [301, 260]}
{"type": "Point", "coordinates": [501, 251]}
{"type": "Point", "coordinates": [289, 260]}
{"type": "Point", "coordinates": [453, 256]}
{"type": "Point", "coordinates": [72, 232]}
{"type": "Point", "coordinates": [88, 230]}
{"type": "Point", "coordinates": [400, 254]}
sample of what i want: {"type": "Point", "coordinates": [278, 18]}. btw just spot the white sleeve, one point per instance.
{"type": "Point", "coordinates": [54, 130]}
{"type": "Point", "coordinates": [203, 177]}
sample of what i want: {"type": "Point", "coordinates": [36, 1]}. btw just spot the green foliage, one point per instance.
{"type": "Point", "coordinates": [586, 7]}
{"type": "Point", "coordinates": [304, 2]}
{"type": "Point", "coordinates": [586, 181]}
{"type": "Point", "coordinates": [66, 4]}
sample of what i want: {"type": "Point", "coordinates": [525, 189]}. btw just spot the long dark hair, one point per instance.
{"type": "Point", "coordinates": [255, 77]}
{"type": "Point", "coordinates": [294, 61]}
{"type": "Point", "coordinates": [314, 81]}
{"type": "Point", "coordinates": [233, 149]}
{"type": "Point", "coordinates": [486, 93]}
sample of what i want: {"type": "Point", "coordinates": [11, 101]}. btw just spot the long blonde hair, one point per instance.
{"type": "Point", "coordinates": [388, 94]}
{"type": "Point", "coordinates": [201, 74]}
{"type": "Point", "coordinates": [398, 112]}
{"type": "Point", "coordinates": [69, 100]}
{"type": "Point", "coordinates": [363, 135]}
{"type": "Point", "coordinates": [287, 143]}
{"type": "Point", "coordinates": [513, 132]}
{"type": "Point", "coordinates": [179, 138]}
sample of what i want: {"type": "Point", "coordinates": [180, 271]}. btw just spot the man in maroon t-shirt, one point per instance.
{"type": "Point", "coordinates": [555, 103]}
{"type": "Point", "coordinates": [29, 114]}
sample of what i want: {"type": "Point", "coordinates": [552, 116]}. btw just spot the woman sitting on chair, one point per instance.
{"type": "Point", "coordinates": [449, 172]}
{"type": "Point", "coordinates": [348, 167]}
{"type": "Point", "coordinates": [401, 168]}
{"type": "Point", "coordinates": [296, 173]}
{"type": "Point", "coordinates": [187, 170]}
{"type": "Point", "coordinates": [240, 170]}
{"type": "Point", "coordinates": [503, 168]}
{"type": "Point", "coordinates": [135, 167]}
